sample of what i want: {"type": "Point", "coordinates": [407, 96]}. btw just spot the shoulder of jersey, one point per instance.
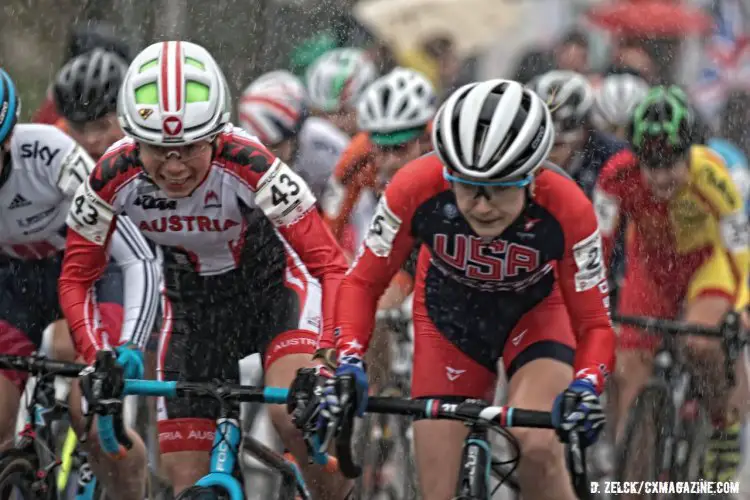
{"type": "Point", "coordinates": [711, 176]}
{"type": "Point", "coordinates": [421, 178]}
{"type": "Point", "coordinates": [41, 145]}
{"type": "Point", "coordinates": [620, 166]}
{"type": "Point", "coordinates": [117, 165]}
{"type": "Point", "coordinates": [317, 131]}
{"type": "Point", "coordinates": [559, 194]}
{"type": "Point", "coordinates": [609, 144]}
{"type": "Point", "coordinates": [237, 148]}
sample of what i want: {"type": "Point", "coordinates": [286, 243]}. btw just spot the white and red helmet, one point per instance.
{"type": "Point", "coordinates": [173, 93]}
{"type": "Point", "coordinates": [273, 107]}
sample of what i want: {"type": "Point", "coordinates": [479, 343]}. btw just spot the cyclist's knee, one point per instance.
{"type": "Point", "coordinates": [540, 449]}
{"type": "Point", "coordinates": [281, 373]}
{"type": "Point", "coordinates": [62, 342]}
{"type": "Point", "coordinates": [185, 468]}
{"type": "Point", "coordinates": [437, 448]}
{"type": "Point", "coordinates": [9, 398]}
{"type": "Point", "coordinates": [633, 368]}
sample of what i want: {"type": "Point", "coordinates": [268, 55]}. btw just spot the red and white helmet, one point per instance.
{"type": "Point", "coordinates": [173, 93]}
{"type": "Point", "coordinates": [273, 107]}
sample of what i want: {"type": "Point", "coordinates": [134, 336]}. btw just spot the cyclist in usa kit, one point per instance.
{"type": "Point", "coordinates": [510, 267]}
{"type": "Point", "coordinates": [249, 263]}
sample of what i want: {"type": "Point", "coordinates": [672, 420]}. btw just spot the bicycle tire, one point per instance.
{"type": "Point", "coordinates": [697, 432]}
{"type": "Point", "coordinates": [363, 446]}
{"type": "Point", "coordinates": [652, 412]}
{"type": "Point", "coordinates": [204, 493]}
{"type": "Point", "coordinates": [18, 468]}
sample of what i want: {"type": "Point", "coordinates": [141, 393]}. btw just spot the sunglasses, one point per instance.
{"type": "Point", "coordinates": [186, 153]}
{"type": "Point", "coordinates": [485, 189]}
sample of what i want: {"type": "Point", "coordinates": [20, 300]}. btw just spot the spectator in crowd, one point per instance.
{"type": "Point", "coordinates": [533, 63]}
{"type": "Point", "coordinates": [572, 53]}
{"type": "Point", "coordinates": [442, 50]}
{"type": "Point", "coordinates": [635, 54]}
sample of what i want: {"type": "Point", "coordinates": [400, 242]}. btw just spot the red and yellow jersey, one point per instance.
{"type": "Point", "coordinates": [699, 237]}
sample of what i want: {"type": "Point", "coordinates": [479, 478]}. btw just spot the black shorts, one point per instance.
{"type": "Point", "coordinates": [210, 323]}
{"type": "Point", "coordinates": [28, 295]}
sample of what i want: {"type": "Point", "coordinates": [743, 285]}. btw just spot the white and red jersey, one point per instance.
{"type": "Point", "coordinates": [209, 227]}
{"type": "Point", "coordinates": [41, 172]}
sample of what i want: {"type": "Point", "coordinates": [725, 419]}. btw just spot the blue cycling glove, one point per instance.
{"type": "Point", "coordinates": [130, 357]}
{"type": "Point", "coordinates": [578, 409]}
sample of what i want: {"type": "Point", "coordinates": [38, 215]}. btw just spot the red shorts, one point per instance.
{"type": "Point", "coordinates": [441, 369]}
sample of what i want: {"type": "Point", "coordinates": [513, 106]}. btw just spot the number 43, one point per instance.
{"type": "Point", "coordinates": [278, 196]}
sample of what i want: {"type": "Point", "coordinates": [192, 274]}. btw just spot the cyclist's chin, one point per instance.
{"type": "Point", "coordinates": [488, 228]}
{"type": "Point", "coordinates": [664, 193]}
{"type": "Point", "coordinates": [177, 187]}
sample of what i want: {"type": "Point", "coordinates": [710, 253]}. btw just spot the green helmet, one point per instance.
{"type": "Point", "coordinates": [663, 126]}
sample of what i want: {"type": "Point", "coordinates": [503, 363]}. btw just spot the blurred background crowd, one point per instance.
{"type": "Point", "coordinates": [700, 44]}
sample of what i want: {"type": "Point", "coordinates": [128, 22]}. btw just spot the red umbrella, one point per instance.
{"type": "Point", "coordinates": [651, 18]}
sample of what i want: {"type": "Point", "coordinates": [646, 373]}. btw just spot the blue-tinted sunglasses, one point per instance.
{"type": "Point", "coordinates": [519, 183]}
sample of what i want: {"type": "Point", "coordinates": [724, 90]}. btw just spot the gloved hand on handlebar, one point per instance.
{"type": "Point", "coordinates": [130, 357]}
{"type": "Point", "coordinates": [578, 410]}
{"type": "Point", "coordinates": [334, 399]}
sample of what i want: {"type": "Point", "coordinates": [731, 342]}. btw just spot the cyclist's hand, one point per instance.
{"type": "Point", "coordinates": [343, 395]}
{"type": "Point", "coordinates": [578, 409]}
{"type": "Point", "coordinates": [130, 357]}
{"type": "Point", "coordinates": [305, 403]}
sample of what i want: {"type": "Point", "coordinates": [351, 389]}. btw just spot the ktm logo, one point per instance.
{"type": "Point", "coordinates": [145, 113]}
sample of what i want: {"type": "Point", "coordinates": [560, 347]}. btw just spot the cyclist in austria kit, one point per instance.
{"type": "Point", "coordinates": [510, 267]}
{"type": "Point", "coordinates": [249, 263]}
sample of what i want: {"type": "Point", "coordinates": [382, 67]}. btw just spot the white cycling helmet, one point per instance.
{"type": "Point", "coordinates": [616, 99]}
{"type": "Point", "coordinates": [495, 130]}
{"type": "Point", "coordinates": [173, 93]}
{"type": "Point", "coordinates": [337, 79]}
{"type": "Point", "coordinates": [400, 101]}
{"type": "Point", "coordinates": [273, 107]}
{"type": "Point", "coordinates": [569, 97]}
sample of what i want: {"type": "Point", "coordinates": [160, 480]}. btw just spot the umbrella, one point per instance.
{"type": "Point", "coordinates": [651, 18]}
{"type": "Point", "coordinates": [406, 24]}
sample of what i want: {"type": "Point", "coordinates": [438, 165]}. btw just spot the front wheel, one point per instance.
{"type": "Point", "coordinates": [18, 477]}
{"type": "Point", "coordinates": [204, 493]}
{"type": "Point", "coordinates": [641, 455]}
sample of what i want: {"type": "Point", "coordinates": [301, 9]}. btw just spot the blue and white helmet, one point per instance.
{"type": "Point", "coordinates": [10, 105]}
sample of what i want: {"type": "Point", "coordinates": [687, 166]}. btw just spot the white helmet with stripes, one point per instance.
{"type": "Point", "coordinates": [273, 107]}
{"type": "Point", "coordinates": [615, 100]}
{"type": "Point", "coordinates": [173, 93]}
{"type": "Point", "coordinates": [402, 99]}
{"type": "Point", "coordinates": [494, 130]}
{"type": "Point", "coordinates": [337, 79]}
{"type": "Point", "coordinates": [569, 97]}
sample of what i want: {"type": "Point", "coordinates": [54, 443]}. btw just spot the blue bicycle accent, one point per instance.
{"type": "Point", "coordinates": [226, 441]}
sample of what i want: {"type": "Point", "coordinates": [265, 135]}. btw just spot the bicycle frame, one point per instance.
{"type": "Point", "coordinates": [226, 442]}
